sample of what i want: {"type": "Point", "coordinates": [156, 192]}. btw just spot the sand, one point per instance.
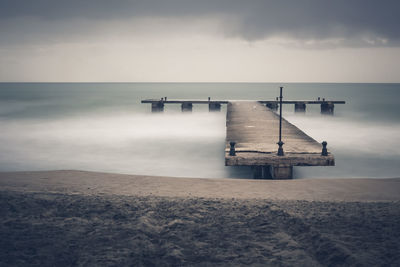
{"type": "Point", "coordinates": [69, 218]}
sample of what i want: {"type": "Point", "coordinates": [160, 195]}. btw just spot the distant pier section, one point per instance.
{"type": "Point", "coordinates": [157, 105]}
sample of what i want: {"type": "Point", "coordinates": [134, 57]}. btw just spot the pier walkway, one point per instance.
{"type": "Point", "coordinates": [254, 130]}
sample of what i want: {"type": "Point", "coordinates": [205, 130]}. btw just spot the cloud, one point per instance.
{"type": "Point", "coordinates": [301, 23]}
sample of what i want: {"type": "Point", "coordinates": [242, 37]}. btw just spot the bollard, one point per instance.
{"type": "Point", "coordinates": [232, 151]}
{"type": "Point", "coordinates": [280, 149]}
{"type": "Point", "coordinates": [324, 150]}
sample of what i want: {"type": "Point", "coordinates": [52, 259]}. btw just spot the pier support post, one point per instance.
{"type": "Point", "coordinates": [300, 107]}
{"type": "Point", "coordinates": [157, 106]}
{"type": "Point", "coordinates": [327, 108]}
{"type": "Point", "coordinates": [282, 172]}
{"type": "Point", "coordinates": [214, 107]}
{"type": "Point", "coordinates": [187, 107]}
{"type": "Point", "coordinates": [262, 172]}
{"type": "Point", "coordinates": [272, 105]}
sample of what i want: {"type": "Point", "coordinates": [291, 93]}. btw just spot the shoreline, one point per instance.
{"type": "Point", "coordinates": [94, 183]}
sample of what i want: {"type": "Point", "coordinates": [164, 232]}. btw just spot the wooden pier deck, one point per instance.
{"type": "Point", "coordinates": [254, 129]}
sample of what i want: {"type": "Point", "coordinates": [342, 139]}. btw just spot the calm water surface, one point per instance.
{"type": "Point", "coordinates": [103, 127]}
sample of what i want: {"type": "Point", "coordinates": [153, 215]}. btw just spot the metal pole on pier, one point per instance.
{"type": "Point", "coordinates": [280, 143]}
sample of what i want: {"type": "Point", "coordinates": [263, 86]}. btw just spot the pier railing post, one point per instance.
{"type": "Point", "coordinates": [324, 150]}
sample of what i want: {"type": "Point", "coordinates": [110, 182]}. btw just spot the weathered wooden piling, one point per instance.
{"type": "Point", "coordinates": [281, 172]}
{"type": "Point", "coordinates": [300, 107]}
{"type": "Point", "coordinates": [187, 107]}
{"type": "Point", "coordinates": [214, 107]}
{"type": "Point", "coordinates": [272, 105]}
{"type": "Point", "coordinates": [261, 172]}
{"type": "Point", "coordinates": [327, 108]}
{"type": "Point", "coordinates": [157, 106]}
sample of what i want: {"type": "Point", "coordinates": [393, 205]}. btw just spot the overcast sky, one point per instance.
{"type": "Point", "coordinates": [200, 40]}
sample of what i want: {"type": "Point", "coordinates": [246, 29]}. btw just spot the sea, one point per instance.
{"type": "Point", "coordinates": [103, 127]}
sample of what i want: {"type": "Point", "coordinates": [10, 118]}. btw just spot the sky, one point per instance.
{"type": "Point", "coordinates": [199, 41]}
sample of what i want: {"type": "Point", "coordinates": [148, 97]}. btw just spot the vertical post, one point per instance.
{"type": "Point", "coordinates": [272, 105]}
{"type": "Point", "coordinates": [327, 107]}
{"type": "Point", "coordinates": [186, 107]}
{"type": "Point", "coordinates": [280, 143]}
{"type": "Point", "coordinates": [257, 172]}
{"type": "Point", "coordinates": [214, 106]}
{"type": "Point", "coordinates": [282, 172]}
{"type": "Point", "coordinates": [262, 172]}
{"type": "Point", "coordinates": [232, 151]}
{"type": "Point", "coordinates": [300, 107]}
{"type": "Point", "coordinates": [157, 106]}
{"type": "Point", "coordinates": [324, 150]}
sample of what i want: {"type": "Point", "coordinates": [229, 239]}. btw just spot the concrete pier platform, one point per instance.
{"type": "Point", "coordinates": [252, 131]}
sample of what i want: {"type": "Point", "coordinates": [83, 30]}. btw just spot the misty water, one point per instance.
{"type": "Point", "coordinates": [104, 127]}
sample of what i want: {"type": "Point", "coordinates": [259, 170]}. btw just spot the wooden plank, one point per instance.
{"type": "Point", "coordinates": [255, 129]}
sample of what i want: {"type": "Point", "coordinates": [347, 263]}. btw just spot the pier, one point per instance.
{"type": "Point", "coordinates": [157, 105]}
{"type": "Point", "coordinates": [252, 135]}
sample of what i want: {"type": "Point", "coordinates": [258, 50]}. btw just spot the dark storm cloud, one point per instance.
{"type": "Point", "coordinates": [360, 22]}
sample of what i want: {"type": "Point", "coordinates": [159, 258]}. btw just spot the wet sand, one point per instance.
{"type": "Point", "coordinates": [82, 218]}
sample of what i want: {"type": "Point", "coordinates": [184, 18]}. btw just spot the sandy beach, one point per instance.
{"type": "Point", "coordinates": [63, 218]}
